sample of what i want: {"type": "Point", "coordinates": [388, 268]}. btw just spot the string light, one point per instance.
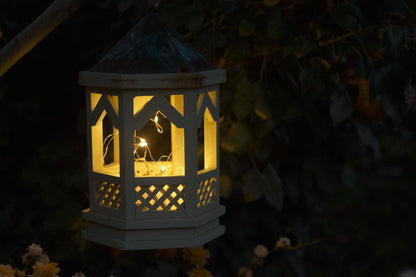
{"type": "Point", "coordinates": [159, 127]}
{"type": "Point", "coordinates": [139, 142]}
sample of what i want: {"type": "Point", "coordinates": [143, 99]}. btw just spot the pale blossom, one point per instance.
{"type": "Point", "coordinates": [282, 242]}
{"type": "Point", "coordinates": [6, 271]}
{"type": "Point", "coordinates": [34, 250]}
{"type": "Point", "coordinates": [245, 272]}
{"type": "Point", "coordinates": [261, 251]}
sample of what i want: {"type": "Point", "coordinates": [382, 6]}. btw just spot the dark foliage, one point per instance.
{"type": "Point", "coordinates": [317, 133]}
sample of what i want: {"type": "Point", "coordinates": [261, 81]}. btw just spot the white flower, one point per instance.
{"type": "Point", "coordinates": [43, 258]}
{"type": "Point", "coordinates": [261, 251]}
{"type": "Point", "coordinates": [282, 242]}
{"type": "Point", "coordinates": [34, 250]}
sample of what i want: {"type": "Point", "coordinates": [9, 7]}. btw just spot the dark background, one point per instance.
{"type": "Point", "coordinates": [308, 150]}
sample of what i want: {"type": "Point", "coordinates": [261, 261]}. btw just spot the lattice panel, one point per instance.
{"type": "Point", "coordinates": [107, 194]}
{"type": "Point", "coordinates": [160, 197]}
{"type": "Point", "coordinates": [207, 191]}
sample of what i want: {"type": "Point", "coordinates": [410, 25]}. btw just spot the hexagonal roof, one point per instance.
{"type": "Point", "coordinates": [152, 46]}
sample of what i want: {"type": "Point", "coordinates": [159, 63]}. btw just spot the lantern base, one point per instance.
{"type": "Point", "coordinates": [154, 238]}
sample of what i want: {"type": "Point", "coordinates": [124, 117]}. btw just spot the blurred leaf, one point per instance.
{"type": "Point", "coordinates": [346, 15]}
{"type": "Point", "coordinates": [365, 68]}
{"type": "Point", "coordinates": [389, 109]}
{"type": "Point", "coordinates": [195, 21]}
{"type": "Point", "coordinates": [226, 186]}
{"type": "Point", "coordinates": [237, 139]}
{"type": "Point", "coordinates": [273, 187]}
{"type": "Point", "coordinates": [398, 6]}
{"type": "Point", "coordinates": [241, 134]}
{"type": "Point", "coordinates": [341, 105]}
{"type": "Point", "coordinates": [320, 62]}
{"type": "Point", "coordinates": [348, 176]}
{"type": "Point", "coordinates": [124, 5]}
{"type": "Point", "coordinates": [253, 185]}
{"type": "Point", "coordinates": [295, 259]}
{"type": "Point", "coordinates": [270, 3]}
{"type": "Point", "coordinates": [262, 108]}
{"type": "Point", "coordinates": [300, 46]}
{"type": "Point", "coordinates": [367, 137]}
{"type": "Point", "coordinates": [227, 144]}
{"type": "Point", "coordinates": [392, 41]}
{"type": "Point", "coordinates": [378, 78]}
{"type": "Point", "coordinates": [162, 269]}
{"type": "Point", "coordinates": [246, 28]}
{"type": "Point", "coordinates": [242, 108]}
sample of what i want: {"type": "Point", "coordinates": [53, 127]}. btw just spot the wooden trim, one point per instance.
{"type": "Point", "coordinates": [141, 81]}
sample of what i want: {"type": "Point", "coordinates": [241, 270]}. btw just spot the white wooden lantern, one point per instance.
{"type": "Point", "coordinates": [152, 102]}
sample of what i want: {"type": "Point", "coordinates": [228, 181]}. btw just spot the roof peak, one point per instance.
{"type": "Point", "coordinates": [151, 46]}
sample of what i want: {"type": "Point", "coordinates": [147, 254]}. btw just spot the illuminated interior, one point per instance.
{"type": "Point", "coordinates": [159, 144]}
{"type": "Point", "coordinates": [104, 135]}
{"type": "Point", "coordinates": [207, 135]}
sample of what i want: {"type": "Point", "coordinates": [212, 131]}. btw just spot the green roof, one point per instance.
{"type": "Point", "coordinates": [152, 46]}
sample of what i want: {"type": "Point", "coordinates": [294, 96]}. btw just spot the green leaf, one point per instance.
{"type": "Point", "coordinates": [276, 27]}
{"type": "Point", "coordinates": [262, 108]}
{"type": "Point", "coordinates": [227, 144]}
{"type": "Point", "coordinates": [389, 109]}
{"type": "Point", "coordinates": [226, 186]}
{"type": "Point", "coordinates": [392, 40]}
{"type": "Point", "coordinates": [341, 106]}
{"type": "Point", "coordinates": [253, 185]}
{"type": "Point", "coordinates": [242, 108]}
{"type": "Point", "coordinates": [237, 139]}
{"type": "Point", "coordinates": [365, 68]}
{"type": "Point", "coordinates": [368, 139]}
{"type": "Point", "coordinates": [377, 79]}
{"type": "Point", "coordinates": [273, 187]}
{"type": "Point", "coordinates": [163, 269]}
{"type": "Point", "coordinates": [345, 15]}
{"type": "Point", "coordinates": [194, 22]}
{"type": "Point", "coordinates": [246, 28]}
{"type": "Point", "coordinates": [271, 3]}
{"type": "Point", "coordinates": [398, 6]}
{"type": "Point", "coordinates": [300, 46]}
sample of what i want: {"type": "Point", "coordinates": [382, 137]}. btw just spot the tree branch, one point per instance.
{"type": "Point", "coordinates": [23, 42]}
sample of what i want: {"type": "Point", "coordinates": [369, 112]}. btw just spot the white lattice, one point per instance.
{"type": "Point", "coordinates": [207, 191]}
{"type": "Point", "coordinates": [107, 194]}
{"type": "Point", "coordinates": [160, 197]}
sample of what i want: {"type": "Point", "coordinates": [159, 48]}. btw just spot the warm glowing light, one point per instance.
{"type": "Point", "coordinates": [163, 168]}
{"type": "Point", "coordinates": [156, 119]}
{"type": "Point", "coordinates": [143, 142]}
{"type": "Point", "coordinates": [180, 170]}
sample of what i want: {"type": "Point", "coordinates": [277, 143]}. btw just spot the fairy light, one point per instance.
{"type": "Point", "coordinates": [143, 142]}
{"type": "Point", "coordinates": [160, 164]}
{"type": "Point", "coordinates": [159, 127]}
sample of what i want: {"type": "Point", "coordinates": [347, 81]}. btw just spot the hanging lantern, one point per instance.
{"type": "Point", "coordinates": [153, 142]}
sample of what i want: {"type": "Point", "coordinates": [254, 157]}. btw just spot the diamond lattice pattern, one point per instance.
{"type": "Point", "coordinates": [206, 191]}
{"type": "Point", "coordinates": [107, 194]}
{"type": "Point", "coordinates": [160, 197]}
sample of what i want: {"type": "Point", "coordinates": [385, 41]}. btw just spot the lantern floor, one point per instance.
{"type": "Point", "coordinates": [154, 238]}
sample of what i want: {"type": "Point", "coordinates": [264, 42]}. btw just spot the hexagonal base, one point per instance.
{"type": "Point", "coordinates": [154, 238]}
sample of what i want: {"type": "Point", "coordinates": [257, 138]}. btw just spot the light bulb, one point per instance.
{"type": "Point", "coordinates": [142, 143]}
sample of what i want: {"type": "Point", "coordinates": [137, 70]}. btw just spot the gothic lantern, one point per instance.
{"type": "Point", "coordinates": [153, 142]}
